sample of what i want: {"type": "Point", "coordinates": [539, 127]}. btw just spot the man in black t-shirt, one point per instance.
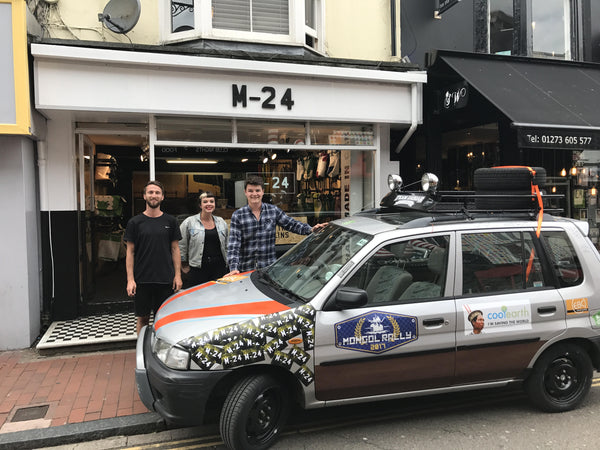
{"type": "Point", "coordinates": [153, 260]}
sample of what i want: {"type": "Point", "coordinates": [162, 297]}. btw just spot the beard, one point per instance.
{"type": "Point", "coordinates": [153, 203]}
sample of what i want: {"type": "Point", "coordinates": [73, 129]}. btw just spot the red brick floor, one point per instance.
{"type": "Point", "coordinates": [77, 387]}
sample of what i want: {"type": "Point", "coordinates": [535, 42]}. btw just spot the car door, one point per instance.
{"type": "Point", "coordinates": [507, 304]}
{"type": "Point", "coordinates": [403, 339]}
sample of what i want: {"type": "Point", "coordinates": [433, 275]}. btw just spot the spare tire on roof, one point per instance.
{"type": "Point", "coordinates": [508, 178]}
{"type": "Point", "coordinates": [505, 200]}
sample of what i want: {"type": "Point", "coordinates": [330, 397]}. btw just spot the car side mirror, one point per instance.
{"type": "Point", "coordinates": [348, 298]}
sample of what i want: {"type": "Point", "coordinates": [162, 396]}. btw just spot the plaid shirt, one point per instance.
{"type": "Point", "coordinates": [252, 242]}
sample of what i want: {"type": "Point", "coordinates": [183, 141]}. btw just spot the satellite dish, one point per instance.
{"type": "Point", "coordinates": [120, 16]}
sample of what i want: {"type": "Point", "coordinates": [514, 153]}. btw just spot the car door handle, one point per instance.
{"type": "Point", "coordinates": [547, 309]}
{"type": "Point", "coordinates": [437, 322]}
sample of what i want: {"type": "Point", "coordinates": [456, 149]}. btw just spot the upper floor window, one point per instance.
{"type": "Point", "coordinates": [295, 22]}
{"type": "Point", "coordinates": [502, 25]}
{"type": "Point", "coordinates": [550, 29]}
{"type": "Point", "coordinates": [538, 28]}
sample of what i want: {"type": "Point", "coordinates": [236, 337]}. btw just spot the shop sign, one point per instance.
{"type": "Point", "coordinates": [570, 139]}
{"type": "Point", "coordinates": [173, 151]}
{"type": "Point", "coordinates": [455, 97]}
{"type": "Point", "coordinates": [445, 5]}
{"type": "Point", "coordinates": [268, 98]}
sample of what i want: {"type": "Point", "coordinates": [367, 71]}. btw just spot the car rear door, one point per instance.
{"type": "Point", "coordinates": [507, 304]}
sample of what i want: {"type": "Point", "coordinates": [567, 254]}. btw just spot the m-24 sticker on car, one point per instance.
{"type": "Point", "coordinates": [376, 332]}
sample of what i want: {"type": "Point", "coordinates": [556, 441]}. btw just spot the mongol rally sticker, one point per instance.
{"type": "Point", "coordinates": [376, 332]}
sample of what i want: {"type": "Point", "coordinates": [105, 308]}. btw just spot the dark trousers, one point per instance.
{"type": "Point", "coordinates": [212, 269]}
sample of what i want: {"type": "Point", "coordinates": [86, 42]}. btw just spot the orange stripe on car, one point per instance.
{"type": "Point", "coordinates": [254, 308]}
{"type": "Point", "coordinates": [187, 291]}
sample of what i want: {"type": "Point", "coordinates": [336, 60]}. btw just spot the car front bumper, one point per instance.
{"type": "Point", "coordinates": [179, 396]}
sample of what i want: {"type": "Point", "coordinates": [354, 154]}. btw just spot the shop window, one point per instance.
{"type": "Point", "coordinates": [192, 129]}
{"type": "Point", "coordinates": [501, 26]}
{"type": "Point", "coordinates": [272, 21]}
{"type": "Point", "coordinates": [550, 29]}
{"type": "Point", "coordinates": [261, 132]}
{"type": "Point", "coordinates": [341, 134]}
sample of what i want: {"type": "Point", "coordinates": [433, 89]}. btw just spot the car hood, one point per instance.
{"type": "Point", "coordinates": [210, 306]}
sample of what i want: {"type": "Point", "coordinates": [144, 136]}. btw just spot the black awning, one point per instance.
{"type": "Point", "coordinates": [553, 104]}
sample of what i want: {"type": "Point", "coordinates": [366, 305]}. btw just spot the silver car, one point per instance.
{"type": "Point", "coordinates": [419, 296]}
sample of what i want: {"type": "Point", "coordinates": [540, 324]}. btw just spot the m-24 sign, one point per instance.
{"type": "Point", "coordinates": [268, 97]}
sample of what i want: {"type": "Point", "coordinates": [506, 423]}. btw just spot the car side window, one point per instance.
{"type": "Point", "coordinates": [404, 271]}
{"type": "Point", "coordinates": [564, 260]}
{"type": "Point", "coordinates": [499, 262]}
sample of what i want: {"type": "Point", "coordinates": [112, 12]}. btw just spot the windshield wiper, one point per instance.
{"type": "Point", "coordinates": [267, 279]}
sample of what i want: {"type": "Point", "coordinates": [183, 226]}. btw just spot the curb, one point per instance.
{"type": "Point", "coordinates": [84, 431]}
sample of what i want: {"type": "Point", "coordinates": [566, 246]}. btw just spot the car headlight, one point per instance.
{"type": "Point", "coordinates": [171, 355]}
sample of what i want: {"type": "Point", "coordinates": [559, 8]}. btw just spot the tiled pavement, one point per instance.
{"type": "Point", "coordinates": [78, 383]}
{"type": "Point", "coordinates": [47, 391]}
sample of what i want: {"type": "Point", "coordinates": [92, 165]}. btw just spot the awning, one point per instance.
{"type": "Point", "coordinates": [553, 104]}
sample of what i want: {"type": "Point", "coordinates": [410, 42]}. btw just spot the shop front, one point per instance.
{"type": "Point", "coordinates": [318, 134]}
{"type": "Point", "coordinates": [488, 110]}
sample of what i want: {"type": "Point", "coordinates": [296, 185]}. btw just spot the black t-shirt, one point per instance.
{"type": "Point", "coordinates": [152, 237]}
{"type": "Point", "coordinates": [212, 245]}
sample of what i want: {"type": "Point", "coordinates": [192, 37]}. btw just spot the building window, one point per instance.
{"type": "Point", "coordinates": [268, 21]}
{"type": "Point", "coordinates": [550, 29]}
{"type": "Point", "coordinates": [501, 23]}
{"type": "Point", "coordinates": [262, 16]}
{"type": "Point", "coordinates": [182, 15]}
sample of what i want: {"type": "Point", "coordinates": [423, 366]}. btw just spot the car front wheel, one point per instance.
{"type": "Point", "coordinates": [560, 379]}
{"type": "Point", "coordinates": [254, 413]}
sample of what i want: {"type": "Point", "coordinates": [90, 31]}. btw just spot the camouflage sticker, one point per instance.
{"type": "Point", "coordinates": [287, 331]}
{"type": "Point", "coordinates": [283, 339]}
{"type": "Point", "coordinates": [308, 336]}
{"type": "Point", "coordinates": [204, 360]}
{"type": "Point", "coordinates": [299, 356]}
{"type": "Point", "coordinates": [305, 375]}
{"type": "Point", "coordinates": [254, 333]}
{"type": "Point", "coordinates": [282, 359]}
{"type": "Point", "coordinates": [275, 345]}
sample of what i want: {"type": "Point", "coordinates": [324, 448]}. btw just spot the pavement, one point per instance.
{"type": "Point", "coordinates": [69, 397]}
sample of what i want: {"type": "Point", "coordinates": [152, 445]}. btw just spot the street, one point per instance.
{"type": "Point", "coordinates": [482, 419]}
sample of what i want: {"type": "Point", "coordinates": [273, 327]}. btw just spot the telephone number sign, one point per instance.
{"type": "Point", "coordinates": [559, 138]}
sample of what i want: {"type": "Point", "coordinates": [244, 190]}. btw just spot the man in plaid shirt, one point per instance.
{"type": "Point", "coordinates": [253, 227]}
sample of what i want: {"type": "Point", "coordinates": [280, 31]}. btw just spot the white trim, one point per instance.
{"type": "Point", "coordinates": [111, 57]}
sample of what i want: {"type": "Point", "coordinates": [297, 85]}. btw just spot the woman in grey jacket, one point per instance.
{"type": "Point", "coordinates": [203, 245]}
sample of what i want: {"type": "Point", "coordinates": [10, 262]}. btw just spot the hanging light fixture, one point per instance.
{"type": "Point", "coordinates": [593, 191]}
{"type": "Point", "coordinates": [573, 170]}
{"type": "Point", "coordinates": [563, 172]}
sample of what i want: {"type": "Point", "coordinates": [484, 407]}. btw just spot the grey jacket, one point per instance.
{"type": "Point", "coordinates": [191, 244]}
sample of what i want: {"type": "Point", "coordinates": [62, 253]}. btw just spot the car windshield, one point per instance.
{"type": "Point", "coordinates": [306, 267]}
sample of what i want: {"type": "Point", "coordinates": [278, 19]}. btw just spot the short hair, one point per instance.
{"type": "Point", "coordinates": [474, 314]}
{"type": "Point", "coordinates": [155, 183]}
{"type": "Point", "coordinates": [206, 195]}
{"type": "Point", "coordinates": [254, 181]}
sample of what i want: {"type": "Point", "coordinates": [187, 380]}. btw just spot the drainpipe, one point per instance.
{"type": "Point", "coordinates": [42, 152]}
{"type": "Point", "coordinates": [393, 23]}
{"type": "Point", "coordinates": [413, 118]}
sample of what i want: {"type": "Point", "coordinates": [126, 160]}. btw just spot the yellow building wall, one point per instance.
{"type": "Point", "coordinates": [359, 29]}
{"type": "Point", "coordinates": [356, 29]}
{"type": "Point", "coordinates": [78, 19]}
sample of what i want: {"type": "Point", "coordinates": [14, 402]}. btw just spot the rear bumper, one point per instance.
{"type": "Point", "coordinates": [179, 396]}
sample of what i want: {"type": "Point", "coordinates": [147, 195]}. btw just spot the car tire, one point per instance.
{"type": "Point", "coordinates": [517, 178]}
{"type": "Point", "coordinates": [254, 413]}
{"type": "Point", "coordinates": [561, 378]}
{"type": "Point", "coordinates": [505, 200]}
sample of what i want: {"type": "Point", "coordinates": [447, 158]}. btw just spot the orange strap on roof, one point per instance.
{"type": "Point", "coordinates": [535, 190]}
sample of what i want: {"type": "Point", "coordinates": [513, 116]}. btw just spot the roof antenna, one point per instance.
{"type": "Point", "coordinates": [120, 16]}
